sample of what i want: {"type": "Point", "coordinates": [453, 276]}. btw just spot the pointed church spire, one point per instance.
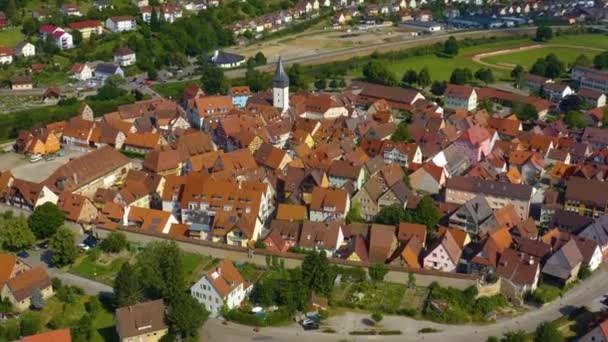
{"type": "Point", "coordinates": [280, 80]}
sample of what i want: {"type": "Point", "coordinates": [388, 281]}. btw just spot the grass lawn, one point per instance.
{"type": "Point", "coordinates": [99, 270]}
{"type": "Point", "coordinates": [414, 298]}
{"type": "Point", "coordinates": [441, 68]}
{"type": "Point", "coordinates": [250, 272]}
{"type": "Point", "coordinates": [10, 37]}
{"type": "Point", "coordinates": [384, 297]}
{"type": "Point", "coordinates": [195, 265]}
{"type": "Point", "coordinates": [527, 58]}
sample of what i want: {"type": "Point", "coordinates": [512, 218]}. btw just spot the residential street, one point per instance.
{"type": "Point", "coordinates": [589, 293]}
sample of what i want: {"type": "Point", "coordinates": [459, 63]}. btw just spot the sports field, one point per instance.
{"type": "Point", "coordinates": [441, 68]}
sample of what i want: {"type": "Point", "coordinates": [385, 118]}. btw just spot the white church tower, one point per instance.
{"type": "Point", "coordinates": [280, 88]}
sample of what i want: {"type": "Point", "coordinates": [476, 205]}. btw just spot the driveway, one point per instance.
{"type": "Point", "coordinates": [588, 293]}
{"type": "Point", "coordinates": [22, 168]}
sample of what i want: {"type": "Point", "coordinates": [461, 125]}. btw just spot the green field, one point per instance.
{"type": "Point", "coordinates": [10, 37]}
{"type": "Point", "coordinates": [441, 68]}
{"type": "Point", "coordinates": [527, 58]}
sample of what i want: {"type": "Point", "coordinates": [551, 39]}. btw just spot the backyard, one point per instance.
{"type": "Point", "coordinates": [382, 297]}
{"type": "Point", "coordinates": [104, 267]}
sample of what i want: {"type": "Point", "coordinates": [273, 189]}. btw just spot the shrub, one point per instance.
{"type": "Point", "coordinates": [546, 293]}
{"type": "Point", "coordinates": [428, 330]}
{"type": "Point", "coordinates": [409, 312]}
{"type": "Point", "coordinates": [390, 332]}
{"type": "Point", "coordinates": [377, 317]}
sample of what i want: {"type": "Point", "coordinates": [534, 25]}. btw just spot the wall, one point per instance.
{"type": "Point", "coordinates": [235, 253]}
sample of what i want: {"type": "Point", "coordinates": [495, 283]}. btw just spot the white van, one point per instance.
{"type": "Point", "coordinates": [35, 158]}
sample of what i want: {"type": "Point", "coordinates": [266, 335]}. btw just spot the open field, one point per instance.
{"type": "Point", "coordinates": [10, 37]}
{"type": "Point", "coordinates": [527, 58]}
{"type": "Point", "coordinates": [441, 68]}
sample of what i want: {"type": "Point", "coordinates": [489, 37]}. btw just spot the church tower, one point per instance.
{"type": "Point", "coordinates": [280, 88]}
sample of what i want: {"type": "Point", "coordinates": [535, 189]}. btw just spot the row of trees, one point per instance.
{"type": "Point", "coordinates": [425, 213]}
{"type": "Point", "coordinates": [545, 332]}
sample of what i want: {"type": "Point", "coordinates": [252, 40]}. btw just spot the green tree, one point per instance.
{"type": "Point", "coordinates": [539, 67]}
{"type": "Point", "coordinates": [485, 75]}
{"type": "Point", "coordinates": [162, 271]}
{"type": "Point", "coordinates": [605, 118]}
{"type": "Point", "coordinates": [600, 61]}
{"type": "Point", "coordinates": [127, 286]}
{"type": "Point", "coordinates": [575, 119]}
{"type": "Point", "coordinates": [37, 300]}
{"type": "Point", "coordinates": [410, 77]}
{"type": "Point", "coordinates": [45, 220]}
{"type": "Point", "coordinates": [260, 59]}
{"type": "Point", "coordinates": [321, 83]}
{"type": "Point", "coordinates": [115, 81]}
{"type": "Point", "coordinates": [31, 324]}
{"type": "Point", "coordinates": [212, 79]}
{"type": "Point", "coordinates": [354, 214]}
{"type": "Point", "coordinates": [555, 67]}
{"type": "Point", "coordinates": [517, 74]}
{"type": "Point", "coordinates": [583, 60]}
{"type": "Point", "coordinates": [401, 133]}
{"type": "Point", "coordinates": [548, 332]}
{"type": "Point", "coordinates": [438, 88]}
{"type": "Point", "coordinates": [543, 34]}
{"type": "Point", "coordinates": [334, 84]}
{"type": "Point", "coordinates": [492, 339]}
{"type": "Point", "coordinates": [461, 76]}
{"type": "Point", "coordinates": [377, 272]}
{"type": "Point", "coordinates": [450, 47]}
{"type": "Point", "coordinates": [424, 77]}
{"type": "Point", "coordinates": [152, 74]}
{"type": "Point", "coordinates": [154, 21]}
{"type": "Point", "coordinates": [115, 242]}
{"type": "Point", "coordinates": [427, 213]}
{"type": "Point", "coordinates": [16, 235]}
{"type": "Point", "coordinates": [297, 78]}
{"type": "Point", "coordinates": [186, 315]}
{"type": "Point", "coordinates": [317, 274]}
{"type": "Point", "coordinates": [82, 330]}
{"type": "Point", "coordinates": [392, 215]}
{"type": "Point", "coordinates": [63, 247]}
{"type": "Point", "coordinates": [76, 37]}
{"type": "Point", "coordinates": [29, 27]}
{"type": "Point", "coordinates": [525, 112]}
{"type": "Point", "coordinates": [11, 9]}
{"type": "Point", "coordinates": [377, 72]}
{"type": "Point", "coordinates": [257, 80]}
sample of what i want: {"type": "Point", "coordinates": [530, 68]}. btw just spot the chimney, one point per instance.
{"type": "Point", "coordinates": [531, 261]}
{"type": "Point", "coordinates": [75, 177]}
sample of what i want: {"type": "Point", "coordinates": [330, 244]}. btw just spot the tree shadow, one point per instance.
{"type": "Point", "coordinates": [108, 334]}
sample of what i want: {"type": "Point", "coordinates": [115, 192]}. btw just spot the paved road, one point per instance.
{"type": "Point", "coordinates": [589, 293]}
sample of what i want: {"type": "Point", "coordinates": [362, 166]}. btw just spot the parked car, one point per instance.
{"type": "Point", "coordinates": [90, 241]}
{"type": "Point", "coordinates": [84, 247]}
{"type": "Point", "coordinates": [23, 255]}
{"type": "Point", "coordinates": [309, 325]}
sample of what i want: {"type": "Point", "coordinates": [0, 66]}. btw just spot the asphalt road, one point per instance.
{"type": "Point", "coordinates": [588, 293]}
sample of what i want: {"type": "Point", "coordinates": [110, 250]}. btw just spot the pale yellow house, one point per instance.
{"type": "Point", "coordinates": [142, 322]}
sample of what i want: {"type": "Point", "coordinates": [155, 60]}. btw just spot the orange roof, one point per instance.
{"type": "Point", "coordinates": [411, 253]}
{"type": "Point", "coordinates": [143, 140]}
{"type": "Point", "coordinates": [225, 277]}
{"type": "Point", "coordinates": [62, 335]}
{"type": "Point", "coordinates": [460, 236]}
{"type": "Point", "coordinates": [7, 264]}
{"type": "Point", "coordinates": [25, 283]}
{"type": "Point", "coordinates": [291, 212]}
{"type": "Point", "coordinates": [407, 231]}
{"type": "Point", "coordinates": [514, 176]}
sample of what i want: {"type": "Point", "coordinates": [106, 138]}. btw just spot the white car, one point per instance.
{"type": "Point", "coordinates": [84, 247]}
{"type": "Point", "coordinates": [35, 158]}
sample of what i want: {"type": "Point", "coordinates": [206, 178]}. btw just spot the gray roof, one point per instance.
{"type": "Point", "coordinates": [490, 188]}
{"type": "Point", "coordinates": [477, 208]}
{"type": "Point", "coordinates": [457, 161]}
{"type": "Point", "coordinates": [563, 262]}
{"type": "Point", "coordinates": [598, 231]}
{"type": "Point", "coordinates": [280, 80]}
{"type": "Point", "coordinates": [107, 68]}
{"type": "Point", "coordinates": [226, 58]}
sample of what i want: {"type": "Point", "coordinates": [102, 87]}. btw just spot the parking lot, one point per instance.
{"type": "Point", "coordinates": [22, 168]}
